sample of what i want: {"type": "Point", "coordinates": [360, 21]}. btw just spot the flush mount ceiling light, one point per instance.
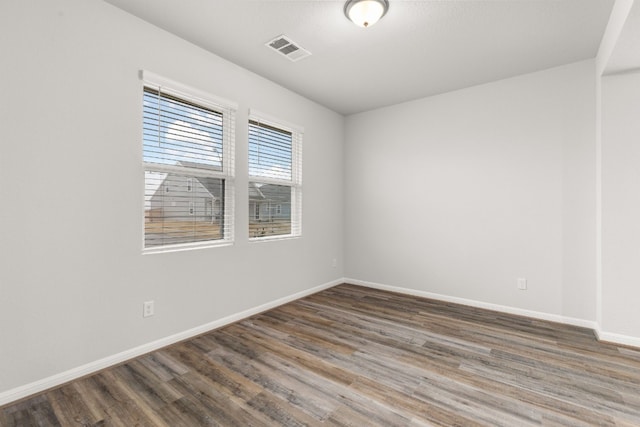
{"type": "Point", "coordinates": [365, 13]}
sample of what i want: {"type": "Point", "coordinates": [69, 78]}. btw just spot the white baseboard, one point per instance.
{"type": "Point", "coordinates": [92, 367]}
{"type": "Point", "coordinates": [479, 304]}
{"type": "Point", "coordinates": [620, 339]}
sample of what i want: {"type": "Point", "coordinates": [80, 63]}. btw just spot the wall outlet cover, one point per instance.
{"type": "Point", "coordinates": [522, 283]}
{"type": "Point", "coordinates": [147, 309]}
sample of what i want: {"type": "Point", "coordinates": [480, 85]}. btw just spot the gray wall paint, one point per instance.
{"type": "Point", "coordinates": [621, 204]}
{"type": "Point", "coordinates": [460, 194]}
{"type": "Point", "coordinates": [72, 277]}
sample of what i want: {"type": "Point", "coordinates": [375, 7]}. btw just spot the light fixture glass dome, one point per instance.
{"type": "Point", "coordinates": [365, 13]}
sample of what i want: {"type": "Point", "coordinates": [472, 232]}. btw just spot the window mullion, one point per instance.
{"type": "Point", "coordinates": [156, 167]}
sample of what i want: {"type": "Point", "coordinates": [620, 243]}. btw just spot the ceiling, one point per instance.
{"type": "Point", "coordinates": [626, 55]}
{"type": "Point", "coordinates": [419, 48]}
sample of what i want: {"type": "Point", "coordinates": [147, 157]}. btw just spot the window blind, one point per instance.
{"type": "Point", "coordinates": [275, 191]}
{"type": "Point", "coordinates": [188, 161]}
{"type": "Point", "coordinates": [270, 152]}
{"type": "Point", "coordinates": [177, 132]}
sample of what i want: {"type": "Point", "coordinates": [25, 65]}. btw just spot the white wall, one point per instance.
{"type": "Point", "coordinates": [621, 205]}
{"type": "Point", "coordinates": [72, 277]}
{"type": "Point", "coordinates": [462, 193]}
{"type": "Point", "coordinates": [618, 155]}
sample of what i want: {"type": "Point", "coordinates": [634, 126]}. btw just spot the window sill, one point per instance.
{"type": "Point", "coordinates": [186, 247]}
{"type": "Point", "coordinates": [272, 238]}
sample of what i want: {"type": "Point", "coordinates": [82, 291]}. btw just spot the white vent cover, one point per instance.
{"type": "Point", "coordinates": [287, 47]}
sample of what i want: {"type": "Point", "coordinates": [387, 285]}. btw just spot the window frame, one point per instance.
{"type": "Point", "coordinates": [297, 134]}
{"type": "Point", "coordinates": [228, 110]}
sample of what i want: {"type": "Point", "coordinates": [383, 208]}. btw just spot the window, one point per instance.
{"type": "Point", "coordinates": [275, 180]}
{"type": "Point", "coordinates": [188, 143]}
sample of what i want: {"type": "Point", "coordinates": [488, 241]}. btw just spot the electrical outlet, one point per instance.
{"type": "Point", "coordinates": [522, 284]}
{"type": "Point", "coordinates": [147, 309]}
{"type": "Point", "coordinates": [334, 263]}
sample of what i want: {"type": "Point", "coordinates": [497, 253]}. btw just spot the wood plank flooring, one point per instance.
{"type": "Point", "coordinates": [352, 356]}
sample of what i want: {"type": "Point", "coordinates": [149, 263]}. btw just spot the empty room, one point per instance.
{"type": "Point", "coordinates": [320, 212]}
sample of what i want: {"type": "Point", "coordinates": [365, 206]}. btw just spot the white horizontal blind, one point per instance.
{"type": "Point", "coordinates": [177, 132]}
{"type": "Point", "coordinates": [275, 190]}
{"type": "Point", "coordinates": [188, 159]}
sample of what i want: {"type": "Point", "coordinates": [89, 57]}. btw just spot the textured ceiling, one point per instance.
{"type": "Point", "coordinates": [419, 48]}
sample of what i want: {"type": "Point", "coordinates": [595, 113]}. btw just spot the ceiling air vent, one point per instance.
{"type": "Point", "coordinates": [287, 47]}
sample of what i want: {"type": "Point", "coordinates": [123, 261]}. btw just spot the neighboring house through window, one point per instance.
{"type": "Point", "coordinates": [188, 145]}
{"type": "Point", "coordinates": [275, 178]}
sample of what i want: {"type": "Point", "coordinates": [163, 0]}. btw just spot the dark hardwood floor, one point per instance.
{"type": "Point", "coordinates": [360, 357]}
